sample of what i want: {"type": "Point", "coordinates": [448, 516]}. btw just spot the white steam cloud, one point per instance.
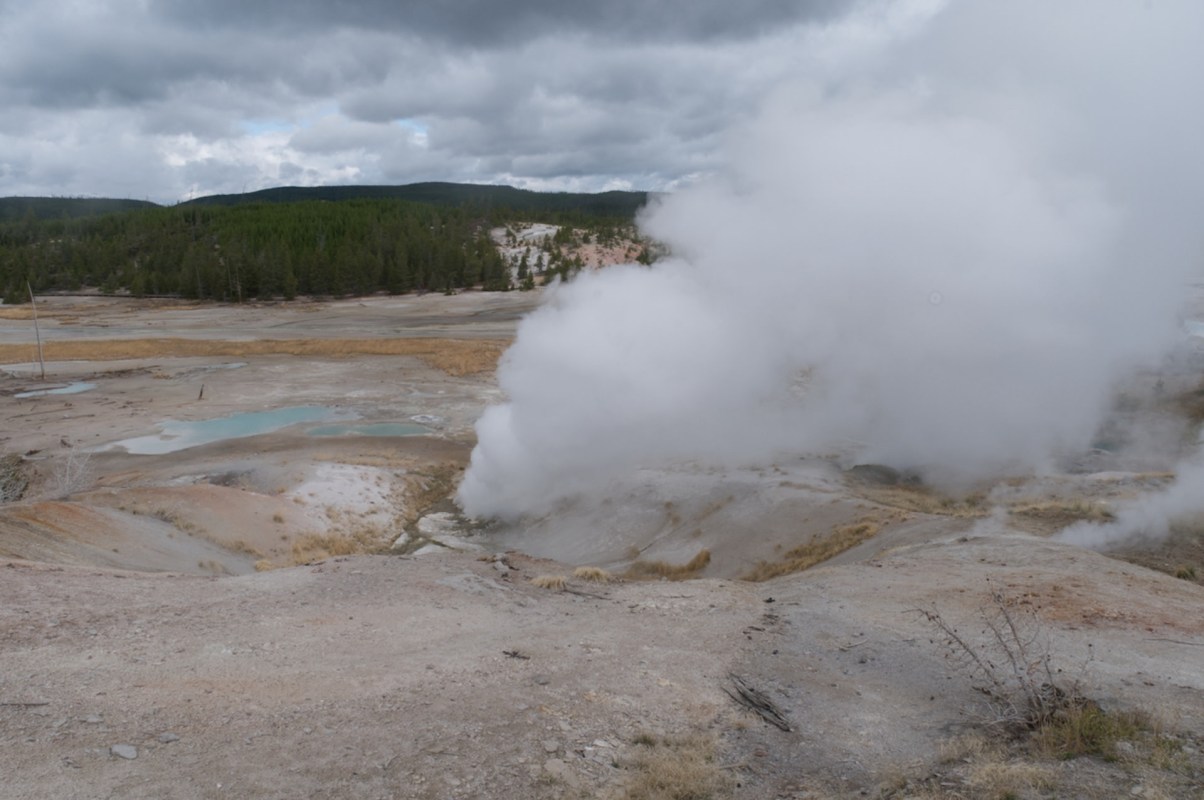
{"type": "Point", "coordinates": [1147, 517]}
{"type": "Point", "coordinates": [943, 262]}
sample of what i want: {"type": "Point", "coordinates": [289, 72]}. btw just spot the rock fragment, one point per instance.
{"type": "Point", "coordinates": [126, 751]}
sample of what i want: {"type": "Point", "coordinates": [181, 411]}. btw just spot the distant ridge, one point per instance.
{"type": "Point", "coordinates": [605, 204]}
{"type": "Point", "coordinates": [610, 204]}
{"type": "Point", "coordinates": [17, 208]}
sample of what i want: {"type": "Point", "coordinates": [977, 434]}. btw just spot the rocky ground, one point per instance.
{"type": "Point", "coordinates": [286, 615]}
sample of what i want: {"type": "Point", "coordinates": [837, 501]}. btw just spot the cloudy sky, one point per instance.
{"type": "Point", "coordinates": [164, 99]}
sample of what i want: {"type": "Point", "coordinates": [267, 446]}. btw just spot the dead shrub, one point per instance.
{"type": "Point", "coordinates": [70, 474]}
{"type": "Point", "coordinates": [1012, 666]}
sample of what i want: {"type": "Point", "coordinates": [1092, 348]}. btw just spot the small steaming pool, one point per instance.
{"type": "Point", "coordinates": [71, 388]}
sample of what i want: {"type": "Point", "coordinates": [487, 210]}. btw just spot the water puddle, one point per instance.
{"type": "Point", "coordinates": [174, 436]}
{"type": "Point", "coordinates": [71, 388]}
{"type": "Point", "coordinates": [371, 429]}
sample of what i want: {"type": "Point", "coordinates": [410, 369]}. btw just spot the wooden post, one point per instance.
{"type": "Point", "coordinates": [37, 334]}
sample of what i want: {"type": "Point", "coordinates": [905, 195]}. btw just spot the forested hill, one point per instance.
{"type": "Point", "coordinates": [622, 205]}
{"type": "Point", "coordinates": [288, 242]}
{"type": "Point", "coordinates": [16, 208]}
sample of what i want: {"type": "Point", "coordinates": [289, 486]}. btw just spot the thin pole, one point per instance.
{"type": "Point", "coordinates": [37, 334]}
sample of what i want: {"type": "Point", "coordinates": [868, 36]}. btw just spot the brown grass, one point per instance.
{"type": "Point", "coordinates": [924, 500]}
{"type": "Point", "coordinates": [317, 546]}
{"type": "Point", "coordinates": [675, 769]}
{"type": "Point", "coordinates": [427, 488]}
{"type": "Point", "coordinates": [1060, 513]}
{"type": "Point", "coordinates": [815, 551]}
{"type": "Point", "coordinates": [242, 546]}
{"type": "Point", "coordinates": [674, 572]}
{"type": "Point", "coordinates": [453, 356]}
{"type": "Point", "coordinates": [593, 574]}
{"type": "Point", "coordinates": [1087, 730]}
{"type": "Point", "coordinates": [1009, 779]}
{"type": "Point", "coordinates": [556, 583]}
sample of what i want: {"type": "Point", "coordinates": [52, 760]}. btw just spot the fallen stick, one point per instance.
{"type": "Point", "coordinates": [754, 700]}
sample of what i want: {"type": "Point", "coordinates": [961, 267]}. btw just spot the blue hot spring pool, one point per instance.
{"type": "Point", "coordinates": [174, 435]}
{"type": "Point", "coordinates": [72, 388]}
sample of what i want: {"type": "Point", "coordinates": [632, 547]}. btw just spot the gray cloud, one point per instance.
{"type": "Point", "coordinates": [186, 98]}
{"type": "Point", "coordinates": [487, 23]}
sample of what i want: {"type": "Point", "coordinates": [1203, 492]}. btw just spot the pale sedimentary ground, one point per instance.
{"type": "Point", "coordinates": [134, 622]}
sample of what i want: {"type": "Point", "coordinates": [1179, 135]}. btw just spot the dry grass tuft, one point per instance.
{"type": "Point", "coordinates": [924, 500]}
{"type": "Point", "coordinates": [264, 565]}
{"type": "Point", "coordinates": [1087, 730]}
{"type": "Point", "coordinates": [242, 546]}
{"type": "Point", "coordinates": [593, 574]}
{"type": "Point", "coordinates": [453, 356]}
{"type": "Point", "coordinates": [816, 551]}
{"type": "Point", "coordinates": [556, 583]}
{"type": "Point", "coordinates": [1060, 513]}
{"type": "Point", "coordinates": [674, 572]}
{"type": "Point", "coordinates": [426, 488]}
{"type": "Point", "coordinates": [1009, 779]}
{"type": "Point", "coordinates": [675, 769]}
{"type": "Point", "coordinates": [14, 479]}
{"type": "Point", "coordinates": [317, 546]}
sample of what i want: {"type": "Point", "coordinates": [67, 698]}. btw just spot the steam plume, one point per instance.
{"type": "Point", "coordinates": [946, 266]}
{"type": "Point", "coordinates": [1147, 517]}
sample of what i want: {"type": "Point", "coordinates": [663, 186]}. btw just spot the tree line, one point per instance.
{"type": "Point", "coordinates": [264, 250]}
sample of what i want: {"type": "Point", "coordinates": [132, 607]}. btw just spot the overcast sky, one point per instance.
{"type": "Point", "coordinates": [165, 99]}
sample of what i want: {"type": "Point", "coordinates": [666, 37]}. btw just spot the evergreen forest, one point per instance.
{"type": "Point", "coordinates": [281, 243]}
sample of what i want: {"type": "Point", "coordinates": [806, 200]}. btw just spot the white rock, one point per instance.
{"type": "Point", "coordinates": [456, 543]}
{"type": "Point", "coordinates": [126, 751]}
{"type": "Point", "coordinates": [440, 522]}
